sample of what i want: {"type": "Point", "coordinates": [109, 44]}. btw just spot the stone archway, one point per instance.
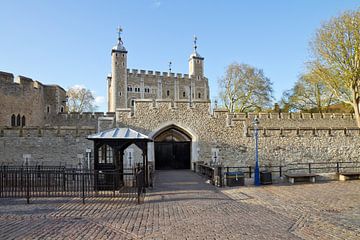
{"type": "Point", "coordinates": [172, 148]}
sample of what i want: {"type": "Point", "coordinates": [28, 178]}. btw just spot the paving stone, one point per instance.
{"type": "Point", "coordinates": [183, 206]}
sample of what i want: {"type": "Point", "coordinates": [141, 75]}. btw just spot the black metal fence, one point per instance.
{"type": "Point", "coordinates": [216, 173]}
{"type": "Point", "coordinates": [45, 181]}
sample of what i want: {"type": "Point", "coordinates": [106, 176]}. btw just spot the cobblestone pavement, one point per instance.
{"type": "Point", "coordinates": [183, 206]}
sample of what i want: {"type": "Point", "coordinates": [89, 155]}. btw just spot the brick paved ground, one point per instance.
{"type": "Point", "coordinates": [182, 206]}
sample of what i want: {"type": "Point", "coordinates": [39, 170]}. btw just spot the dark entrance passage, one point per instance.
{"type": "Point", "coordinates": [172, 150]}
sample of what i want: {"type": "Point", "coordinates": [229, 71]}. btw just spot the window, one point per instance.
{"type": "Point", "coordinates": [13, 120]}
{"type": "Point", "coordinates": [147, 89]}
{"type": "Point", "coordinates": [168, 93]}
{"type": "Point", "coordinates": [18, 120]}
{"type": "Point", "coordinates": [184, 94]}
{"type": "Point", "coordinates": [123, 64]}
{"type": "Point", "coordinates": [137, 89]}
{"type": "Point", "coordinates": [132, 102]}
{"type": "Point", "coordinates": [48, 109]}
{"type": "Point", "coordinates": [23, 121]}
{"type": "Point", "coordinates": [62, 109]}
{"type": "Point", "coordinates": [105, 154]}
{"type": "Point", "coordinates": [199, 95]}
{"type": "Point", "coordinates": [123, 55]}
{"type": "Point", "coordinates": [129, 88]}
{"type": "Point", "coordinates": [198, 77]}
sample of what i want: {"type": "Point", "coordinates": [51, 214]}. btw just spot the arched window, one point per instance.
{"type": "Point", "coordinates": [62, 109]}
{"type": "Point", "coordinates": [199, 95]}
{"type": "Point", "coordinates": [13, 120]}
{"type": "Point", "coordinates": [168, 93]}
{"type": "Point", "coordinates": [23, 121]}
{"type": "Point", "coordinates": [18, 120]}
{"type": "Point", "coordinates": [132, 102]}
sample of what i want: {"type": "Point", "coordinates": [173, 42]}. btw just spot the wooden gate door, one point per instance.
{"type": "Point", "coordinates": [172, 155]}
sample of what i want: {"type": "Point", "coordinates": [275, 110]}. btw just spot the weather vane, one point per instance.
{"type": "Point", "coordinates": [170, 63]}
{"type": "Point", "coordinates": [195, 41]}
{"type": "Point", "coordinates": [119, 29]}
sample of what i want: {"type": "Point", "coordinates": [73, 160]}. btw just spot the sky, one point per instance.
{"type": "Point", "coordinates": [69, 42]}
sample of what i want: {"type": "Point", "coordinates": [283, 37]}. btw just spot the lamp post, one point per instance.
{"type": "Point", "coordinates": [256, 136]}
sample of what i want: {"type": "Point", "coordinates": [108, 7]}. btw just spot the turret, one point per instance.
{"type": "Point", "coordinates": [118, 82]}
{"type": "Point", "coordinates": [196, 63]}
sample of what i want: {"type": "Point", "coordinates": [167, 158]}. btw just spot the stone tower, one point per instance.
{"type": "Point", "coordinates": [196, 63]}
{"type": "Point", "coordinates": [117, 86]}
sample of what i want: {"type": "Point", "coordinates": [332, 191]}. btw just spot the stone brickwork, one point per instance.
{"type": "Point", "coordinates": [47, 146]}
{"type": "Point", "coordinates": [125, 86]}
{"type": "Point", "coordinates": [32, 101]}
{"type": "Point", "coordinates": [283, 138]}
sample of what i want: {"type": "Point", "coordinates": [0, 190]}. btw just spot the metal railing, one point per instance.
{"type": "Point", "coordinates": [214, 173]}
{"type": "Point", "coordinates": [34, 181]}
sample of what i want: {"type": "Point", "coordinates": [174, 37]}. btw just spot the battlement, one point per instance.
{"type": "Point", "coordinates": [304, 132]}
{"type": "Point", "coordinates": [285, 116]}
{"type": "Point", "coordinates": [26, 82]}
{"type": "Point", "coordinates": [60, 131]}
{"type": "Point", "coordinates": [158, 74]}
{"type": "Point", "coordinates": [6, 77]}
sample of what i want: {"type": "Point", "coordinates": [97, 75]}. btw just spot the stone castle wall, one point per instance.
{"type": "Point", "coordinates": [47, 146]}
{"type": "Point", "coordinates": [27, 98]}
{"type": "Point", "coordinates": [284, 138]}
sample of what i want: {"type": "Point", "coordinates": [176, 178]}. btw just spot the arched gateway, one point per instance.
{"type": "Point", "coordinates": [172, 149]}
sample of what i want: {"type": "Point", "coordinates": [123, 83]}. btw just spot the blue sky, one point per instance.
{"type": "Point", "coordinates": [69, 42]}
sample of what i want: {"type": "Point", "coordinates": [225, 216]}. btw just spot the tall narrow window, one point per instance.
{"type": "Point", "coordinates": [184, 94]}
{"type": "Point", "coordinates": [199, 95]}
{"type": "Point", "coordinates": [13, 120]}
{"type": "Point", "coordinates": [48, 109]}
{"type": "Point", "coordinates": [132, 102]}
{"type": "Point", "coordinates": [105, 154]}
{"type": "Point", "coordinates": [23, 121]}
{"type": "Point", "coordinates": [168, 93]}
{"type": "Point", "coordinates": [62, 109]}
{"type": "Point", "coordinates": [18, 120]}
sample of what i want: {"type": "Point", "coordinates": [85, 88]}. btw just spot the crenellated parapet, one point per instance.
{"type": "Point", "coordinates": [157, 74]}
{"type": "Point", "coordinates": [304, 132]}
{"type": "Point", "coordinates": [288, 119]}
{"type": "Point", "coordinates": [28, 99]}
{"type": "Point", "coordinates": [88, 119]}
{"type": "Point", "coordinates": [59, 131]}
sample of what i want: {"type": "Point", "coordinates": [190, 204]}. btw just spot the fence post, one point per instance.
{"type": "Point", "coordinates": [27, 186]}
{"type": "Point", "coordinates": [114, 182]}
{"type": "Point", "coordinates": [83, 186]}
{"type": "Point", "coordinates": [309, 167]}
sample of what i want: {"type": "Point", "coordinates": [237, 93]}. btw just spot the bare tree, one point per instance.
{"type": "Point", "coordinates": [336, 48]}
{"type": "Point", "coordinates": [308, 95]}
{"type": "Point", "coordinates": [80, 99]}
{"type": "Point", "coordinates": [245, 89]}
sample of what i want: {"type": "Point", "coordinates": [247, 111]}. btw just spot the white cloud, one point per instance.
{"type": "Point", "coordinates": [78, 86]}
{"type": "Point", "coordinates": [99, 100]}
